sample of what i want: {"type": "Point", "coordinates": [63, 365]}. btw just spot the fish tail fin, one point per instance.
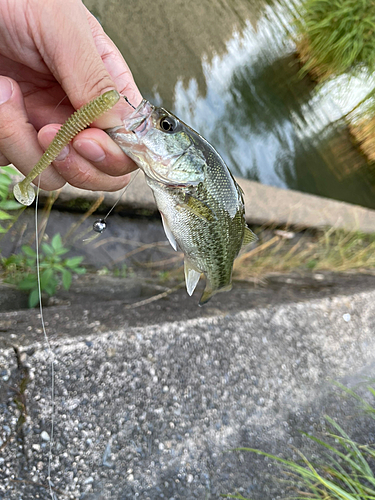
{"type": "Point", "coordinates": [209, 291]}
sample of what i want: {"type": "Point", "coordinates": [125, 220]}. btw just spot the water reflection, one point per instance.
{"type": "Point", "coordinates": [228, 69]}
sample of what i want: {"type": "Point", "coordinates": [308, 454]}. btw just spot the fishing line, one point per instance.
{"type": "Point", "coordinates": [100, 225]}
{"type": "Point", "coordinates": [49, 349]}
{"type": "Point", "coordinates": [127, 100]}
{"type": "Point", "coordinates": [84, 113]}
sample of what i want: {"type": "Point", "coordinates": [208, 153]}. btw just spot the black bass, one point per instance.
{"type": "Point", "coordinates": [201, 204]}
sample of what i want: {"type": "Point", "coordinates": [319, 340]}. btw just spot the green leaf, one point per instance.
{"type": "Point", "coordinates": [28, 283]}
{"type": "Point", "coordinates": [51, 287]}
{"type": "Point", "coordinates": [8, 170]}
{"type": "Point", "coordinates": [47, 249]}
{"type": "Point", "coordinates": [56, 241]}
{"type": "Point", "coordinates": [5, 180]}
{"type": "Point", "coordinates": [46, 277]}
{"type": "Point", "coordinates": [66, 279]}
{"type": "Point", "coordinates": [33, 298]}
{"type": "Point", "coordinates": [61, 251]}
{"type": "Point", "coordinates": [10, 205]}
{"type": "Point", "coordinates": [27, 250]}
{"type": "Point", "coordinates": [73, 262]}
{"type": "Point", "coordinates": [5, 216]}
{"type": "Point", "coordinates": [58, 267]}
{"type": "Point", "coordinates": [80, 270]}
{"type": "Point", "coordinates": [28, 262]}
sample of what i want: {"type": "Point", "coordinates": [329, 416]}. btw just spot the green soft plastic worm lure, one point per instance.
{"type": "Point", "coordinates": [23, 191]}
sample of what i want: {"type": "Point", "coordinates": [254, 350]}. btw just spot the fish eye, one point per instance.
{"type": "Point", "coordinates": [168, 124]}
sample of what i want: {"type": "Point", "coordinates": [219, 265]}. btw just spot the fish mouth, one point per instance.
{"type": "Point", "coordinates": [138, 120]}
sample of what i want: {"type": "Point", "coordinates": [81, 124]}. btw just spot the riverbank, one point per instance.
{"type": "Point", "coordinates": [153, 392]}
{"type": "Point", "coordinates": [151, 400]}
{"type": "Point", "coordinates": [264, 206]}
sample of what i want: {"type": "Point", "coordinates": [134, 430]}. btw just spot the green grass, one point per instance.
{"type": "Point", "coordinates": [336, 36]}
{"type": "Point", "coordinates": [346, 473]}
{"type": "Point", "coordinates": [330, 250]}
{"type": "Point", "coordinates": [20, 269]}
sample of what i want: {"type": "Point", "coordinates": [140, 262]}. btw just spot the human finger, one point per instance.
{"type": "Point", "coordinates": [18, 138]}
{"type": "Point", "coordinates": [80, 172]}
{"type": "Point", "coordinates": [114, 62]}
{"type": "Point", "coordinates": [71, 54]}
{"type": "Point", "coordinates": [97, 147]}
{"type": "Point", "coordinates": [4, 161]}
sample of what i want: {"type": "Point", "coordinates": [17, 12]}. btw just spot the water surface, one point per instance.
{"type": "Point", "coordinates": [228, 68]}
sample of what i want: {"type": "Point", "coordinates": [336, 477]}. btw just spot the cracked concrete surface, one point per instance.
{"type": "Point", "coordinates": [153, 411]}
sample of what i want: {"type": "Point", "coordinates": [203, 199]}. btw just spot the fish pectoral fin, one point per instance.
{"type": "Point", "coordinates": [209, 291]}
{"type": "Point", "coordinates": [198, 207]}
{"type": "Point", "coordinates": [192, 276]}
{"type": "Point", "coordinates": [168, 232]}
{"type": "Point", "coordinates": [248, 237]}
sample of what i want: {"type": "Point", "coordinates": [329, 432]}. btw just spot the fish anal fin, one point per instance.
{"type": "Point", "coordinates": [248, 237]}
{"type": "Point", "coordinates": [192, 276]}
{"type": "Point", "coordinates": [168, 232]}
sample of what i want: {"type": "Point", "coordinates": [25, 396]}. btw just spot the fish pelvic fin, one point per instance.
{"type": "Point", "coordinates": [168, 232]}
{"type": "Point", "coordinates": [192, 276]}
{"type": "Point", "coordinates": [209, 292]}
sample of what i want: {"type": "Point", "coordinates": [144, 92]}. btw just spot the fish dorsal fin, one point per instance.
{"type": "Point", "coordinates": [191, 277]}
{"type": "Point", "coordinates": [248, 237]}
{"type": "Point", "coordinates": [168, 232]}
{"type": "Point", "coordinates": [199, 208]}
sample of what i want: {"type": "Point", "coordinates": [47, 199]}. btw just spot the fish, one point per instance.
{"type": "Point", "coordinates": [200, 203]}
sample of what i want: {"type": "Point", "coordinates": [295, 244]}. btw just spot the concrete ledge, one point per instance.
{"type": "Point", "coordinates": [264, 205]}
{"type": "Point", "coordinates": [267, 204]}
{"type": "Point", "coordinates": [151, 413]}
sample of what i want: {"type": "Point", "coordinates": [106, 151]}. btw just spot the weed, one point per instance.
{"type": "Point", "coordinates": [346, 473]}
{"type": "Point", "coordinates": [117, 272]}
{"type": "Point", "coordinates": [7, 203]}
{"type": "Point", "coordinates": [121, 272]}
{"type": "Point", "coordinates": [336, 37]}
{"type": "Point", "coordinates": [331, 250]}
{"type": "Point", "coordinates": [21, 269]}
{"type": "Point", "coordinates": [164, 276]}
{"type": "Point", "coordinates": [20, 401]}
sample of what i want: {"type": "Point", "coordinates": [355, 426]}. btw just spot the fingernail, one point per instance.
{"type": "Point", "coordinates": [6, 89]}
{"type": "Point", "coordinates": [89, 149]}
{"type": "Point", "coordinates": [63, 154]}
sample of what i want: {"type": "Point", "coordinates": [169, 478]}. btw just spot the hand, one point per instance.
{"type": "Point", "coordinates": [50, 50]}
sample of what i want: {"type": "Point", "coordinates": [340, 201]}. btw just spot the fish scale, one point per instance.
{"type": "Point", "coordinates": [200, 202]}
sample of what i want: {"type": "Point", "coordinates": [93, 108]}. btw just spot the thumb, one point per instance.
{"type": "Point", "coordinates": [67, 45]}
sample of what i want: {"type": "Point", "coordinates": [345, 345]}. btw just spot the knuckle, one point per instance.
{"type": "Point", "coordinates": [7, 133]}
{"type": "Point", "coordinates": [95, 85]}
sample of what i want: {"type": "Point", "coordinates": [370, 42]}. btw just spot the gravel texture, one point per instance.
{"type": "Point", "coordinates": [153, 412]}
